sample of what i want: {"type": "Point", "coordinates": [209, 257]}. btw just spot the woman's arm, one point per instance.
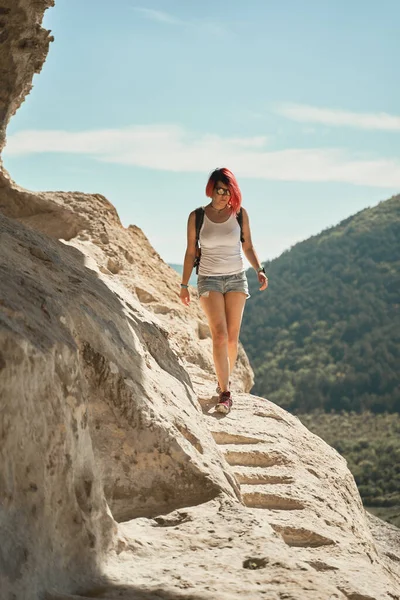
{"type": "Point", "coordinates": [250, 252]}
{"type": "Point", "coordinates": [190, 255]}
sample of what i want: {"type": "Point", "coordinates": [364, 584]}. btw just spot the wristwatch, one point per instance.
{"type": "Point", "coordinates": [261, 270]}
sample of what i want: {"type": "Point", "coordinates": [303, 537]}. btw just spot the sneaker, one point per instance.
{"type": "Point", "coordinates": [224, 403]}
{"type": "Point", "coordinates": [219, 390]}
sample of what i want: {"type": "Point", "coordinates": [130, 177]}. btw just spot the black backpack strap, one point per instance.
{"type": "Point", "coordinates": [199, 212]}
{"type": "Point", "coordinates": [239, 218]}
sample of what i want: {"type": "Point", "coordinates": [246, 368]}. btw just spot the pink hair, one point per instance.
{"type": "Point", "coordinates": [227, 177]}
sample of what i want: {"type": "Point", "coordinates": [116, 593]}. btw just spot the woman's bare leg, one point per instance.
{"type": "Point", "coordinates": [214, 307]}
{"type": "Point", "coordinates": [234, 306]}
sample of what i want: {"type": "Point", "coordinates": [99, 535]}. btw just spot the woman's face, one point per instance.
{"type": "Point", "coordinates": [221, 194]}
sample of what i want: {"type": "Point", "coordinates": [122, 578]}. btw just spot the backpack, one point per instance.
{"type": "Point", "coordinates": [199, 212]}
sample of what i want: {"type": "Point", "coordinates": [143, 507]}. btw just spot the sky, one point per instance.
{"type": "Point", "coordinates": [140, 101]}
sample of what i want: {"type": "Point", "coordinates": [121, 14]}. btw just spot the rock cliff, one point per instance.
{"type": "Point", "coordinates": [117, 478]}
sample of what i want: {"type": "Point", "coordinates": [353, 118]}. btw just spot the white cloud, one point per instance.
{"type": "Point", "coordinates": [162, 17]}
{"type": "Point", "coordinates": [157, 15]}
{"type": "Point", "coordinates": [171, 148]}
{"type": "Point", "coordinates": [334, 117]}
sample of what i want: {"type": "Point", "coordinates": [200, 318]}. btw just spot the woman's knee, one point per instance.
{"type": "Point", "coordinates": [233, 338]}
{"type": "Point", "coordinates": [219, 336]}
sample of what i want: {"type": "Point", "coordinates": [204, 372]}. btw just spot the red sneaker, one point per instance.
{"type": "Point", "coordinates": [224, 403]}
{"type": "Point", "coordinates": [218, 388]}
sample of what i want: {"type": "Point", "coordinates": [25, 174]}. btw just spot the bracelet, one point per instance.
{"type": "Point", "coordinates": [184, 286]}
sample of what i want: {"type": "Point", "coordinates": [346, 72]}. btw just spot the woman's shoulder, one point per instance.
{"type": "Point", "coordinates": [196, 211]}
{"type": "Point", "coordinates": [195, 214]}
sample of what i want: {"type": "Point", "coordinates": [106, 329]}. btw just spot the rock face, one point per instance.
{"type": "Point", "coordinates": [117, 479]}
{"type": "Point", "coordinates": [23, 49]}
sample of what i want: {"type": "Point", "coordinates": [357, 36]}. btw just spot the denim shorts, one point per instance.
{"type": "Point", "coordinates": [223, 284]}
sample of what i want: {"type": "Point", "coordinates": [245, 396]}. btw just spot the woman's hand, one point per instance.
{"type": "Point", "coordinates": [185, 296]}
{"type": "Point", "coordinates": [263, 279]}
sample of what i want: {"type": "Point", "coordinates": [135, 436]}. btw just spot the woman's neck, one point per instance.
{"type": "Point", "coordinates": [218, 210]}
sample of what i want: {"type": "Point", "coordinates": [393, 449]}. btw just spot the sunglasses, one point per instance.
{"type": "Point", "coordinates": [222, 191]}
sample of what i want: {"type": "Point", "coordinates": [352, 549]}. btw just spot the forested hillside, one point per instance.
{"type": "Point", "coordinates": [326, 334]}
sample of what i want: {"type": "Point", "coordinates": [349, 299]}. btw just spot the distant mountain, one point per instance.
{"type": "Point", "coordinates": [179, 269]}
{"type": "Point", "coordinates": [326, 334]}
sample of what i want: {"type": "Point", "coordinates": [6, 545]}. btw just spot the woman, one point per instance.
{"type": "Point", "coordinates": [222, 282]}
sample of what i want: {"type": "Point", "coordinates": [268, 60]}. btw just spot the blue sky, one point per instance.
{"type": "Point", "coordinates": [140, 100]}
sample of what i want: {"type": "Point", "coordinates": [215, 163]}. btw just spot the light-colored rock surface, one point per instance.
{"type": "Point", "coordinates": [106, 406]}
{"type": "Point", "coordinates": [308, 537]}
{"type": "Point", "coordinates": [77, 348]}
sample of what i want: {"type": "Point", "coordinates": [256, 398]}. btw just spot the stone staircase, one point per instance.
{"type": "Point", "coordinates": [270, 474]}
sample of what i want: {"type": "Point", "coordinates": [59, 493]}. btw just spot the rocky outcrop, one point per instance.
{"type": "Point", "coordinates": [80, 354]}
{"type": "Point", "coordinates": [117, 478]}
{"type": "Point", "coordinates": [23, 49]}
{"type": "Point", "coordinates": [301, 532]}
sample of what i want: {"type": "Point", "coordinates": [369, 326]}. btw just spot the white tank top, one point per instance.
{"type": "Point", "coordinates": [221, 248]}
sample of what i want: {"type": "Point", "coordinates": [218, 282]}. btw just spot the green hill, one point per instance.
{"type": "Point", "coordinates": [326, 334]}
